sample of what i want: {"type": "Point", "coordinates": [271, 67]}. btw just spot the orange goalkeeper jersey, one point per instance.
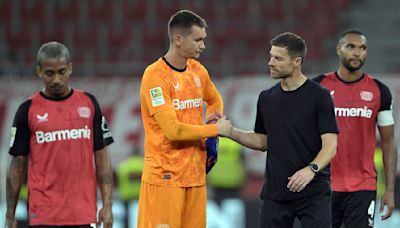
{"type": "Point", "coordinates": [164, 88]}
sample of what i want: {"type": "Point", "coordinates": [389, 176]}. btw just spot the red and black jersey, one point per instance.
{"type": "Point", "coordinates": [357, 105]}
{"type": "Point", "coordinates": [60, 138]}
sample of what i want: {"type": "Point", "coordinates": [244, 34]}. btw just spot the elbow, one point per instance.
{"type": "Point", "coordinates": [173, 135]}
{"type": "Point", "coordinates": [334, 149]}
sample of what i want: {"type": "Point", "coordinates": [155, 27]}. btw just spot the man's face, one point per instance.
{"type": "Point", "coordinates": [192, 44]}
{"type": "Point", "coordinates": [55, 74]}
{"type": "Point", "coordinates": [281, 65]}
{"type": "Point", "coordinates": [352, 51]}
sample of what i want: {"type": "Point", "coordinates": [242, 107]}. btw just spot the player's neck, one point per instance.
{"type": "Point", "coordinates": [349, 76]}
{"type": "Point", "coordinates": [294, 82]}
{"type": "Point", "coordinates": [175, 60]}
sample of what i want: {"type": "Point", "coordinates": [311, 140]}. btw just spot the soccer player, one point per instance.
{"type": "Point", "coordinates": [361, 103]}
{"type": "Point", "coordinates": [59, 139]}
{"type": "Point", "coordinates": [173, 89]}
{"type": "Point", "coordinates": [296, 122]}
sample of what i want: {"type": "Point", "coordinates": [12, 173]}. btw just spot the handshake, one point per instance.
{"type": "Point", "coordinates": [224, 129]}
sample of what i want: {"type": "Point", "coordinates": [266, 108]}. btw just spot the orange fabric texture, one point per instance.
{"type": "Point", "coordinates": [172, 105]}
{"type": "Point", "coordinates": [172, 207]}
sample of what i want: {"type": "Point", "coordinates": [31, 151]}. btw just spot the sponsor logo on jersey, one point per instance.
{"type": "Point", "coordinates": [366, 95]}
{"type": "Point", "coordinates": [61, 135]}
{"type": "Point", "coordinates": [354, 112]}
{"type": "Point", "coordinates": [185, 104]}
{"type": "Point", "coordinates": [84, 112]}
{"type": "Point", "coordinates": [43, 118]}
{"type": "Point", "coordinates": [332, 92]}
{"type": "Point", "coordinates": [156, 96]}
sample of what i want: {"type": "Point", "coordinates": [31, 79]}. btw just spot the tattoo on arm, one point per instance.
{"type": "Point", "coordinates": [15, 177]}
{"type": "Point", "coordinates": [104, 175]}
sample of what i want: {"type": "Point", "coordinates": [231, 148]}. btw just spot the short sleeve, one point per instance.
{"type": "Point", "coordinates": [259, 126]}
{"type": "Point", "coordinates": [155, 92]}
{"type": "Point", "coordinates": [102, 135]}
{"type": "Point", "coordinates": [20, 132]}
{"type": "Point", "coordinates": [386, 96]}
{"type": "Point", "coordinates": [326, 113]}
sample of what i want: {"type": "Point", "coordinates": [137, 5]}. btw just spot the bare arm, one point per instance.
{"type": "Point", "coordinates": [299, 180]}
{"type": "Point", "coordinates": [15, 176]}
{"type": "Point", "coordinates": [105, 180]}
{"type": "Point", "coordinates": [389, 152]}
{"type": "Point", "coordinates": [328, 150]}
{"type": "Point", "coordinates": [249, 139]}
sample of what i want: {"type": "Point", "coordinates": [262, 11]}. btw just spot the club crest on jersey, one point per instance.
{"type": "Point", "coordinates": [84, 112]}
{"type": "Point", "coordinates": [366, 95]}
{"type": "Point", "coordinates": [197, 81]}
{"type": "Point", "coordinates": [42, 118]}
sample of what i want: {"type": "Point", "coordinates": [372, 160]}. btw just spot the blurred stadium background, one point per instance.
{"type": "Point", "coordinates": [112, 42]}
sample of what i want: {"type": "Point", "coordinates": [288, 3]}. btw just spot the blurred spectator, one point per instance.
{"type": "Point", "coordinates": [8, 66]}
{"type": "Point", "coordinates": [129, 174]}
{"type": "Point", "coordinates": [229, 174]}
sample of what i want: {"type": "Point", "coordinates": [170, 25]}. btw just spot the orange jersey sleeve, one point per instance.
{"type": "Point", "coordinates": [173, 121]}
{"type": "Point", "coordinates": [176, 131]}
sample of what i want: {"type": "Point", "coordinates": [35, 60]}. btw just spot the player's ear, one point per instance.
{"type": "Point", "coordinates": [38, 71]}
{"type": "Point", "coordinates": [70, 68]}
{"type": "Point", "coordinates": [338, 47]}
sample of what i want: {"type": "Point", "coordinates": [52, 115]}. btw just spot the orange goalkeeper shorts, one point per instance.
{"type": "Point", "coordinates": [172, 207]}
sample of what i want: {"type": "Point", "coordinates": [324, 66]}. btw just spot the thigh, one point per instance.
{"type": "Point", "coordinates": [360, 209]}
{"type": "Point", "coordinates": [337, 208]}
{"type": "Point", "coordinates": [276, 215]}
{"type": "Point", "coordinates": [194, 208]}
{"type": "Point", "coordinates": [315, 211]}
{"type": "Point", "coordinates": [160, 206]}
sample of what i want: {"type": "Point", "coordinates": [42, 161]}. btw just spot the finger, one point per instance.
{"type": "Point", "coordinates": [218, 113]}
{"type": "Point", "coordinates": [292, 180]}
{"type": "Point", "coordinates": [382, 207]}
{"type": "Point", "coordinates": [388, 213]}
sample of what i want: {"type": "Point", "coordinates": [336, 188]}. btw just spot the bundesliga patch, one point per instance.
{"type": "Point", "coordinates": [13, 133]}
{"type": "Point", "coordinates": [84, 112]}
{"type": "Point", "coordinates": [157, 97]}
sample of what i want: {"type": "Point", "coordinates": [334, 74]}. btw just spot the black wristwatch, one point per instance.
{"type": "Point", "coordinates": [314, 167]}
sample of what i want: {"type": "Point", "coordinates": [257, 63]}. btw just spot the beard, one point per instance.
{"type": "Point", "coordinates": [346, 63]}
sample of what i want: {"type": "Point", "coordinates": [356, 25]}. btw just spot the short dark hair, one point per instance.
{"type": "Point", "coordinates": [52, 50]}
{"type": "Point", "coordinates": [185, 19]}
{"type": "Point", "coordinates": [350, 31]}
{"type": "Point", "coordinates": [295, 45]}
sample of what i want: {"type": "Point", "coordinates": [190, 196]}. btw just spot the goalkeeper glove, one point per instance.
{"type": "Point", "coordinates": [212, 152]}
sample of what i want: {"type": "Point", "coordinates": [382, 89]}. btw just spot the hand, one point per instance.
{"type": "Point", "coordinates": [388, 200]}
{"type": "Point", "coordinates": [299, 180]}
{"type": "Point", "coordinates": [105, 217]}
{"type": "Point", "coordinates": [11, 223]}
{"type": "Point", "coordinates": [224, 127]}
{"type": "Point", "coordinates": [214, 117]}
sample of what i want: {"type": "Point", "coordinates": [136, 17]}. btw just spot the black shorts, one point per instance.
{"type": "Point", "coordinates": [354, 209]}
{"type": "Point", "coordinates": [313, 211]}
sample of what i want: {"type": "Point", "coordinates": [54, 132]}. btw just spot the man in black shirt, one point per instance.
{"type": "Point", "coordinates": [296, 119]}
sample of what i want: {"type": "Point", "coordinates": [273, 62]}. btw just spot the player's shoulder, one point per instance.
{"type": "Point", "coordinates": [326, 76]}
{"type": "Point", "coordinates": [195, 65]}
{"type": "Point", "coordinates": [271, 90]}
{"type": "Point", "coordinates": [156, 69]}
